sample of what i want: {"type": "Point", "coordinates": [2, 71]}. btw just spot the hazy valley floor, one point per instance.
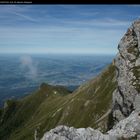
{"type": "Point", "coordinates": [22, 74]}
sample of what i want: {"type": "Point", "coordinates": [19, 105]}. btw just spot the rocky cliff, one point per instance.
{"type": "Point", "coordinates": [126, 97]}
{"type": "Point", "coordinates": [125, 114]}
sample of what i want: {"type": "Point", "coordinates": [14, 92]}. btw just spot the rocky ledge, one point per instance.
{"type": "Point", "coordinates": [128, 128]}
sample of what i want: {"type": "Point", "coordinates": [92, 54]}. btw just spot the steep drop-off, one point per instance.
{"type": "Point", "coordinates": [127, 94]}
{"type": "Point", "coordinates": [51, 106]}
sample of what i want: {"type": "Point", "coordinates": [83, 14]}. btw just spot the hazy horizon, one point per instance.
{"type": "Point", "coordinates": [55, 53]}
{"type": "Point", "coordinates": [22, 74]}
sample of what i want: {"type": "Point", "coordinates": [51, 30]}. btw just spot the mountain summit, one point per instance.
{"type": "Point", "coordinates": [109, 103]}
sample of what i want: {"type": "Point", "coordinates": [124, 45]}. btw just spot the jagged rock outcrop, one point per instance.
{"type": "Point", "coordinates": [70, 133]}
{"type": "Point", "coordinates": [128, 128]}
{"type": "Point", "coordinates": [126, 97]}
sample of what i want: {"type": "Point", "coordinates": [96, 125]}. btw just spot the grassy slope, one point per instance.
{"type": "Point", "coordinates": [51, 106]}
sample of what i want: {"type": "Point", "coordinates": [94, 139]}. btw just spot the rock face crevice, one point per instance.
{"type": "Point", "coordinates": [127, 65]}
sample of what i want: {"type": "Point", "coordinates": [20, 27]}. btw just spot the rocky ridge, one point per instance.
{"type": "Point", "coordinates": [50, 106]}
{"type": "Point", "coordinates": [126, 98]}
{"type": "Point", "coordinates": [127, 63]}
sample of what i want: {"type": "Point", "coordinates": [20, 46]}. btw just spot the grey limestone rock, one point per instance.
{"type": "Point", "coordinates": [127, 128]}
{"type": "Point", "coordinates": [128, 75]}
{"type": "Point", "coordinates": [70, 133]}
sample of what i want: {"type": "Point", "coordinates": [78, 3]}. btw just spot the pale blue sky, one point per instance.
{"type": "Point", "coordinates": [64, 28]}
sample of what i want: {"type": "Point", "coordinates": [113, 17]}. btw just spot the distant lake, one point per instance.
{"type": "Point", "coordinates": [22, 74]}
